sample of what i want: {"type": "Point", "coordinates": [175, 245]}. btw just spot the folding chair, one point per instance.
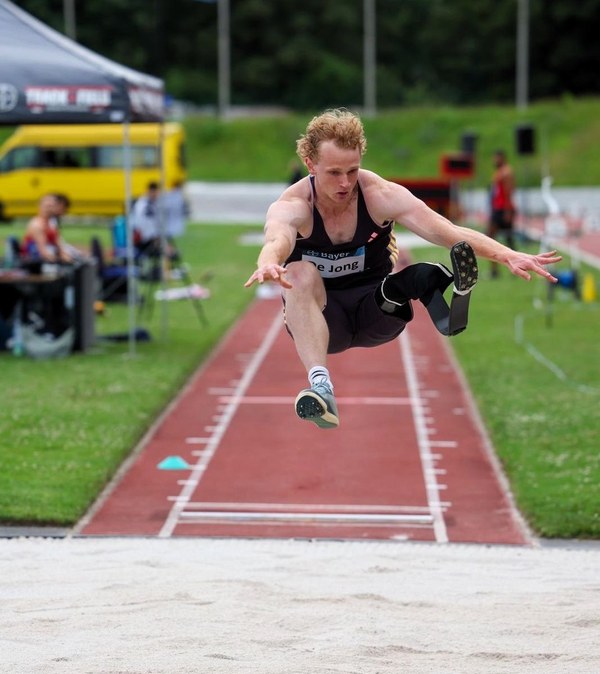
{"type": "Point", "coordinates": [113, 277]}
{"type": "Point", "coordinates": [153, 268]}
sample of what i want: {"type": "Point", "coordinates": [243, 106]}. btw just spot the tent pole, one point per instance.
{"type": "Point", "coordinates": [131, 285]}
{"type": "Point", "coordinates": [162, 222]}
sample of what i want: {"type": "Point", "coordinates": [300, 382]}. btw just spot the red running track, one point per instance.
{"type": "Point", "coordinates": [410, 460]}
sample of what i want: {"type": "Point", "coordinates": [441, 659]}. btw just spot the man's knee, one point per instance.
{"type": "Point", "coordinates": [306, 283]}
{"type": "Point", "coordinates": [303, 274]}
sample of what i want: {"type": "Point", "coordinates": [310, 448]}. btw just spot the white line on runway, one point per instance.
{"type": "Point", "coordinates": [304, 517]}
{"type": "Point", "coordinates": [286, 400]}
{"type": "Point", "coordinates": [431, 485]}
{"type": "Point", "coordinates": [219, 430]}
{"type": "Point", "coordinates": [306, 507]}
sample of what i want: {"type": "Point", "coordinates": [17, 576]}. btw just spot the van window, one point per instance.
{"type": "Point", "coordinates": [142, 156]}
{"type": "Point", "coordinates": [20, 158]}
{"type": "Point", "coordinates": [103, 156]}
{"type": "Point", "coordinates": [66, 157]}
{"type": "Point", "coordinates": [47, 157]}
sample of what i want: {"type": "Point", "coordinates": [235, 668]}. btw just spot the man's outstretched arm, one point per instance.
{"type": "Point", "coordinates": [419, 218]}
{"type": "Point", "coordinates": [280, 239]}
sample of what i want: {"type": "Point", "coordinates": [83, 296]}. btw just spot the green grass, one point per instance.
{"type": "Point", "coordinates": [66, 425]}
{"type": "Point", "coordinates": [544, 428]}
{"type": "Point", "coordinates": [410, 141]}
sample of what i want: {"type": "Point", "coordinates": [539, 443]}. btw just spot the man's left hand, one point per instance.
{"type": "Point", "coordinates": [521, 264]}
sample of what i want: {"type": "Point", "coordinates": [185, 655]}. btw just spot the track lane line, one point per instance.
{"type": "Point", "coordinates": [488, 449]}
{"type": "Point", "coordinates": [424, 447]}
{"type": "Point", "coordinates": [220, 429]}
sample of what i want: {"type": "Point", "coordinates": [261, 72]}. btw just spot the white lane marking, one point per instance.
{"type": "Point", "coordinates": [306, 507]}
{"type": "Point", "coordinates": [392, 526]}
{"type": "Point", "coordinates": [287, 400]}
{"type": "Point", "coordinates": [219, 430]}
{"type": "Point", "coordinates": [423, 441]}
{"type": "Point", "coordinates": [488, 447]}
{"type": "Point", "coordinates": [302, 518]}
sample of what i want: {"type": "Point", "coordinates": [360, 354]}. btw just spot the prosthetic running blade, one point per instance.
{"type": "Point", "coordinates": [451, 320]}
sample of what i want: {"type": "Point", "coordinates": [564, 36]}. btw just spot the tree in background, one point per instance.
{"type": "Point", "coordinates": [308, 55]}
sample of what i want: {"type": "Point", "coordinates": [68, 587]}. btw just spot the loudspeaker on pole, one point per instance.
{"type": "Point", "coordinates": [468, 143]}
{"type": "Point", "coordinates": [525, 139]}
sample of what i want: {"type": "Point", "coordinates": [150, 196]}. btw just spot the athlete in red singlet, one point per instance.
{"type": "Point", "coordinates": [42, 240]}
{"type": "Point", "coordinates": [502, 203]}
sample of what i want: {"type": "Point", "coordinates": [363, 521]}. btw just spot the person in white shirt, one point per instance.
{"type": "Point", "coordinates": [146, 223]}
{"type": "Point", "coordinates": [176, 211]}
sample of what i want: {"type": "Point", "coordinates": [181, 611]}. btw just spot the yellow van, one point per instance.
{"type": "Point", "coordinates": [86, 163]}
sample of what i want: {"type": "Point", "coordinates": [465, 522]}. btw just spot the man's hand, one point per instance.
{"type": "Point", "coordinates": [269, 272]}
{"type": "Point", "coordinates": [521, 263]}
{"type": "Point", "coordinates": [65, 257]}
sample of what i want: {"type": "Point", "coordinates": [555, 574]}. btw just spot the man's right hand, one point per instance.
{"type": "Point", "coordinates": [269, 272]}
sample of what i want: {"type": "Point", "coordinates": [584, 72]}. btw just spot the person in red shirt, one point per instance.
{"type": "Point", "coordinates": [502, 216]}
{"type": "Point", "coordinates": [42, 241]}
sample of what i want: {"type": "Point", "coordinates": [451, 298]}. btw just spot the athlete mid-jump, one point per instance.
{"type": "Point", "coordinates": [329, 244]}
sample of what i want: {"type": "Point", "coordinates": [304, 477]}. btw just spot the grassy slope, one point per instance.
{"type": "Point", "coordinates": [409, 142]}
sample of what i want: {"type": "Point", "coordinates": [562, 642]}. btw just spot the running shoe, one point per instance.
{"type": "Point", "coordinates": [317, 404]}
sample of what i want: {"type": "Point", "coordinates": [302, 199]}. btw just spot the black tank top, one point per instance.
{"type": "Point", "coordinates": [370, 255]}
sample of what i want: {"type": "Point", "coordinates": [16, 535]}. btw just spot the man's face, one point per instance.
{"type": "Point", "coordinates": [335, 171]}
{"type": "Point", "coordinates": [58, 208]}
{"type": "Point", "coordinates": [47, 205]}
{"type": "Point", "coordinates": [498, 159]}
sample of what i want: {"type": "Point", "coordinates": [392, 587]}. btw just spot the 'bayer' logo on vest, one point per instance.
{"type": "Point", "coordinates": [8, 97]}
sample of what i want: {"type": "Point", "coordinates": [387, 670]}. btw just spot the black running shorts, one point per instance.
{"type": "Point", "coordinates": [354, 319]}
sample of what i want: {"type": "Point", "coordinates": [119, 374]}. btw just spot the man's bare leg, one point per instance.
{"type": "Point", "coordinates": [304, 304]}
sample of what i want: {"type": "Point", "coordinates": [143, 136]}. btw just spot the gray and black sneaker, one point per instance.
{"type": "Point", "coordinates": [317, 404]}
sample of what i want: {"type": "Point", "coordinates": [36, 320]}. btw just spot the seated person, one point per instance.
{"type": "Point", "coordinates": [146, 225]}
{"type": "Point", "coordinates": [42, 241]}
{"type": "Point", "coordinates": [149, 215]}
